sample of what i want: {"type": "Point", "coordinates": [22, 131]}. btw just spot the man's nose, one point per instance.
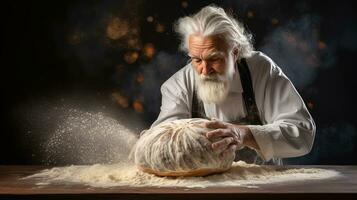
{"type": "Point", "coordinates": [206, 69]}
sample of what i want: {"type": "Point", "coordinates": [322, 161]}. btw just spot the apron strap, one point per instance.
{"type": "Point", "coordinates": [252, 117]}
{"type": "Point", "coordinates": [197, 110]}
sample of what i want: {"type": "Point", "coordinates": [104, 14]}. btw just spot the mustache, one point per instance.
{"type": "Point", "coordinates": [212, 77]}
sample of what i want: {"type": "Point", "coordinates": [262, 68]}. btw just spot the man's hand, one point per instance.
{"type": "Point", "coordinates": [227, 137]}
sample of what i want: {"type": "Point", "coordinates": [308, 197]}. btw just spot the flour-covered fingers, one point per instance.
{"type": "Point", "coordinates": [215, 124]}
{"type": "Point", "coordinates": [231, 149]}
{"type": "Point", "coordinates": [218, 133]}
{"type": "Point", "coordinates": [223, 143]}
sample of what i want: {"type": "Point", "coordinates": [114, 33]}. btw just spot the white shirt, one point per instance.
{"type": "Point", "coordinates": [288, 129]}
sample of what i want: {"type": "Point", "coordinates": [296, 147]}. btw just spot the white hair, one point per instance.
{"type": "Point", "coordinates": [214, 21]}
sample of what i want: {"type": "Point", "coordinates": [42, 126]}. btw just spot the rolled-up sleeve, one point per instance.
{"type": "Point", "coordinates": [174, 103]}
{"type": "Point", "coordinates": [288, 129]}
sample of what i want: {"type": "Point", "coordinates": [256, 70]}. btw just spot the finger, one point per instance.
{"type": "Point", "coordinates": [223, 144]}
{"type": "Point", "coordinates": [218, 133]}
{"type": "Point", "coordinates": [215, 124]}
{"type": "Point", "coordinates": [231, 148]}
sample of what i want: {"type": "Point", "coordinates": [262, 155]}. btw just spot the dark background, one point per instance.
{"type": "Point", "coordinates": [118, 53]}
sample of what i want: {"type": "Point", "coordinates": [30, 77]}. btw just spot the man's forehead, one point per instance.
{"type": "Point", "coordinates": [208, 54]}
{"type": "Point", "coordinates": [209, 44]}
{"type": "Point", "coordinates": [200, 41]}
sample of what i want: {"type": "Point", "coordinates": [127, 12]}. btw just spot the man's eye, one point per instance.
{"type": "Point", "coordinates": [197, 60]}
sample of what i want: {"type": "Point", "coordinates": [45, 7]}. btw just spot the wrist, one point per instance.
{"type": "Point", "coordinates": [247, 137]}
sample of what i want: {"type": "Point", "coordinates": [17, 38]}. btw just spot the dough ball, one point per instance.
{"type": "Point", "coordinates": [179, 148]}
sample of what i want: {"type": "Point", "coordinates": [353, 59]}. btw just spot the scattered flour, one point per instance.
{"type": "Point", "coordinates": [241, 174]}
{"type": "Point", "coordinates": [87, 138]}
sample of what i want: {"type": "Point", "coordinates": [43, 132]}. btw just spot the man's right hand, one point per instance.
{"type": "Point", "coordinates": [231, 138]}
{"type": "Point", "coordinates": [234, 137]}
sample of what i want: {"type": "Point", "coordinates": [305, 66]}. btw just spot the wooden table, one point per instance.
{"type": "Point", "coordinates": [344, 187]}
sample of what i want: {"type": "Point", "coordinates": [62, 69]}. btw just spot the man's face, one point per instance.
{"type": "Point", "coordinates": [208, 55]}
{"type": "Point", "coordinates": [214, 67]}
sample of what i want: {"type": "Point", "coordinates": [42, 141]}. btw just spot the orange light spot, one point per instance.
{"type": "Point", "coordinates": [160, 28]}
{"type": "Point", "coordinates": [131, 57]}
{"type": "Point", "coordinates": [149, 50]}
{"type": "Point", "coordinates": [138, 106]}
{"type": "Point", "coordinates": [120, 100]}
{"type": "Point", "coordinates": [117, 28]}
{"type": "Point", "coordinates": [140, 78]}
{"type": "Point", "coordinates": [134, 43]}
{"type": "Point", "coordinates": [322, 45]}
{"type": "Point", "coordinates": [250, 14]}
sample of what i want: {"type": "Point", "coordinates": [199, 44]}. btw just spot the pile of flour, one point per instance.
{"type": "Point", "coordinates": [241, 174]}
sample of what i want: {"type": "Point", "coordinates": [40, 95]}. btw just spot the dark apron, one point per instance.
{"type": "Point", "coordinates": [246, 154]}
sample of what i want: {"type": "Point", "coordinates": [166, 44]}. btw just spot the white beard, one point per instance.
{"type": "Point", "coordinates": [214, 88]}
